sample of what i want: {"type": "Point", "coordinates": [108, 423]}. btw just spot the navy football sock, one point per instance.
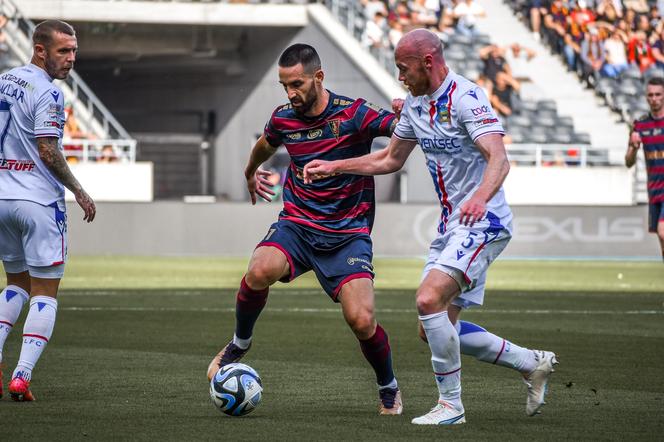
{"type": "Point", "coordinates": [249, 305]}
{"type": "Point", "coordinates": [377, 351]}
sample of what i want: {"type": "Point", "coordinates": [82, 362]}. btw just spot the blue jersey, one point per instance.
{"type": "Point", "coordinates": [31, 106]}
{"type": "Point", "coordinates": [342, 203]}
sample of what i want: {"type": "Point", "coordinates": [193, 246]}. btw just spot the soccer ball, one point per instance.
{"type": "Point", "coordinates": [236, 389]}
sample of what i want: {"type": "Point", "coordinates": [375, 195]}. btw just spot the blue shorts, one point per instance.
{"type": "Point", "coordinates": [335, 258]}
{"type": "Point", "coordinates": [655, 216]}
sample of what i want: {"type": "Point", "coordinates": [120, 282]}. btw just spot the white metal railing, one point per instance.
{"type": "Point", "coordinates": [91, 112]}
{"type": "Point", "coordinates": [98, 150]}
{"type": "Point", "coordinates": [559, 155]}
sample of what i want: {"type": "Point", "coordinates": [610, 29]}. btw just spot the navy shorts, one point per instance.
{"type": "Point", "coordinates": [655, 216]}
{"type": "Point", "coordinates": [335, 258]}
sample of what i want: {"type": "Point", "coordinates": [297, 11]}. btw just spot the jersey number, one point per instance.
{"type": "Point", "coordinates": [5, 118]}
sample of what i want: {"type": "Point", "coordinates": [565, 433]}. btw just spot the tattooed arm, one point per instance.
{"type": "Point", "coordinates": [56, 163]}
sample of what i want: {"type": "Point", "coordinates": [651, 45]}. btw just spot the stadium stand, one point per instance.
{"type": "Point", "coordinates": [378, 26]}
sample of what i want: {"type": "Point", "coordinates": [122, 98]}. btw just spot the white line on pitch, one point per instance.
{"type": "Point", "coordinates": [387, 310]}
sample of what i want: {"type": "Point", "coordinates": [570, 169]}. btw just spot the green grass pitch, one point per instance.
{"type": "Point", "coordinates": [133, 338]}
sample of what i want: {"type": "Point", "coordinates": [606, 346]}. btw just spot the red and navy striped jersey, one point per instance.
{"type": "Point", "coordinates": [342, 203]}
{"type": "Point", "coordinates": [651, 131]}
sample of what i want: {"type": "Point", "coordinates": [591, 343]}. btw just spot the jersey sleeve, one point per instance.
{"type": "Point", "coordinates": [271, 133]}
{"type": "Point", "coordinates": [404, 129]}
{"type": "Point", "coordinates": [50, 114]}
{"type": "Point", "coordinates": [374, 120]}
{"type": "Point", "coordinates": [476, 114]}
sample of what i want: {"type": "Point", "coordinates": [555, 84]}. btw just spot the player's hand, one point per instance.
{"type": "Point", "coordinates": [316, 170]}
{"type": "Point", "coordinates": [634, 140]}
{"type": "Point", "coordinates": [397, 106]}
{"type": "Point", "coordinates": [258, 184]}
{"type": "Point", "coordinates": [472, 211]}
{"type": "Point", "coordinates": [86, 203]}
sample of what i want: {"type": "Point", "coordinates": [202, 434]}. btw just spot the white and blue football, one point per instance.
{"type": "Point", "coordinates": [236, 389]}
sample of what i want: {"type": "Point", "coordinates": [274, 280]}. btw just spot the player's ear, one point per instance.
{"type": "Point", "coordinates": [40, 50]}
{"type": "Point", "coordinates": [319, 75]}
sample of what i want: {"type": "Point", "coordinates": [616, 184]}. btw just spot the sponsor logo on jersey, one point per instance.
{"type": "Point", "coordinates": [450, 145]}
{"type": "Point", "coordinates": [374, 107]}
{"type": "Point", "coordinates": [315, 133]}
{"type": "Point", "coordinates": [486, 121]}
{"type": "Point", "coordinates": [340, 102]}
{"type": "Point", "coordinates": [52, 124]}
{"type": "Point", "coordinates": [19, 81]}
{"type": "Point", "coordinates": [294, 136]}
{"type": "Point", "coordinates": [477, 111]}
{"type": "Point", "coordinates": [17, 165]}
{"type": "Point", "coordinates": [55, 95]}
{"type": "Point", "coordinates": [473, 94]}
{"type": "Point", "coordinates": [460, 254]}
{"type": "Point", "coordinates": [334, 127]}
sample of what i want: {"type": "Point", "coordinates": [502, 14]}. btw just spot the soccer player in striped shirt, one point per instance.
{"type": "Point", "coordinates": [453, 122]}
{"type": "Point", "coordinates": [649, 132]}
{"type": "Point", "coordinates": [324, 226]}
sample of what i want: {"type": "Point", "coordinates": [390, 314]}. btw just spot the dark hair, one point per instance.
{"type": "Point", "coordinates": [656, 81]}
{"type": "Point", "coordinates": [44, 31]}
{"type": "Point", "coordinates": [300, 53]}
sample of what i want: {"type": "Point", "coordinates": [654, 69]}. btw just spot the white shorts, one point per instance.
{"type": "Point", "coordinates": [33, 238]}
{"type": "Point", "coordinates": [465, 254]}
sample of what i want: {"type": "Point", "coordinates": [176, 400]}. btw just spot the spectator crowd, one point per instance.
{"type": "Point", "coordinates": [600, 38]}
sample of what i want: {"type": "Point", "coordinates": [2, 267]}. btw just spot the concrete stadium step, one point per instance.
{"type": "Point", "coordinates": [550, 80]}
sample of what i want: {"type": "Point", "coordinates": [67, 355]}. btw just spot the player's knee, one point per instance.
{"type": "Point", "coordinates": [260, 276]}
{"type": "Point", "coordinates": [428, 303]}
{"type": "Point", "coordinates": [363, 325]}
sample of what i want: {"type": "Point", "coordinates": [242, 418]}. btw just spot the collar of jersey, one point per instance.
{"type": "Point", "coordinates": [40, 71]}
{"type": "Point", "coordinates": [425, 99]}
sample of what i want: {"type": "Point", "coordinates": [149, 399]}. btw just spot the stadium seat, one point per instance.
{"type": "Point", "coordinates": [581, 138]}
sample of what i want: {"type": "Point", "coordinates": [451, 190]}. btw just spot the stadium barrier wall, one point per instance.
{"type": "Point", "coordinates": [127, 182]}
{"type": "Point", "coordinates": [233, 229]}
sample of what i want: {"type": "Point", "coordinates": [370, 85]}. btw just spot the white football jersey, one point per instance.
{"type": "Point", "coordinates": [446, 125]}
{"type": "Point", "coordinates": [31, 106]}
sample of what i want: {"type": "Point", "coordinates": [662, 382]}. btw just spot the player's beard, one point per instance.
{"type": "Point", "coordinates": [53, 71]}
{"type": "Point", "coordinates": [307, 103]}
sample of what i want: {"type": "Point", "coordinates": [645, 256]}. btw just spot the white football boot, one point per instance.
{"type": "Point", "coordinates": [537, 381]}
{"type": "Point", "coordinates": [443, 413]}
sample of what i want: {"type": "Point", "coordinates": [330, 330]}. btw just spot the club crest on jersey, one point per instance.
{"type": "Point", "coordinates": [334, 127]}
{"type": "Point", "coordinates": [444, 105]}
{"type": "Point", "coordinates": [315, 133]}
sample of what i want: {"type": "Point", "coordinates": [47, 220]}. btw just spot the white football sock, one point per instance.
{"type": "Point", "coordinates": [476, 341]}
{"type": "Point", "coordinates": [242, 343]}
{"type": "Point", "coordinates": [12, 299]}
{"type": "Point", "coordinates": [36, 334]}
{"type": "Point", "coordinates": [445, 356]}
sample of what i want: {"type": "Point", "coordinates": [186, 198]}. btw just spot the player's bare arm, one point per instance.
{"type": "Point", "coordinates": [257, 182]}
{"type": "Point", "coordinates": [53, 159]}
{"type": "Point", "coordinates": [381, 162]}
{"type": "Point", "coordinates": [632, 148]}
{"type": "Point", "coordinates": [498, 166]}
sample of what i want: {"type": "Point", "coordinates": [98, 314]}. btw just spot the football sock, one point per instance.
{"type": "Point", "coordinates": [242, 343]}
{"type": "Point", "coordinates": [248, 307]}
{"type": "Point", "coordinates": [37, 331]}
{"type": "Point", "coordinates": [12, 299]}
{"type": "Point", "coordinates": [476, 341]}
{"type": "Point", "coordinates": [445, 356]}
{"type": "Point", "coordinates": [377, 351]}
